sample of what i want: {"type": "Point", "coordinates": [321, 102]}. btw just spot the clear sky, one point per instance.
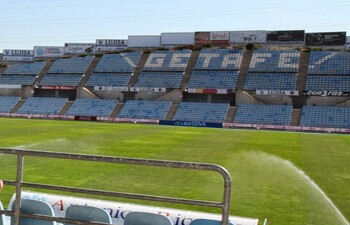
{"type": "Point", "coordinates": [28, 23]}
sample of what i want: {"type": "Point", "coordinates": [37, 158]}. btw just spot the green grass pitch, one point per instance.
{"type": "Point", "coordinates": [288, 178]}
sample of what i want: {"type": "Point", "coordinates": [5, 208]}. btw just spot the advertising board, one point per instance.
{"type": "Point", "coordinates": [17, 55]}
{"type": "Point", "coordinates": [109, 45]}
{"type": "Point", "coordinates": [79, 48]}
{"type": "Point", "coordinates": [326, 39]}
{"type": "Point", "coordinates": [287, 37]}
{"type": "Point", "coordinates": [244, 37]}
{"type": "Point", "coordinates": [48, 52]}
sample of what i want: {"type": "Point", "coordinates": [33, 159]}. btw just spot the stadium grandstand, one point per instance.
{"type": "Point", "coordinates": [285, 86]}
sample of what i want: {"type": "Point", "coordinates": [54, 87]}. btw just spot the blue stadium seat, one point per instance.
{"type": "Point", "coordinates": [117, 63]}
{"type": "Point", "coordinates": [333, 117]}
{"type": "Point", "coordinates": [275, 61]}
{"type": "Point", "coordinates": [264, 114]}
{"type": "Point", "coordinates": [7, 103]}
{"type": "Point", "coordinates": [34, 207]}
{"type": "Point", "coordinates": [25, 69]}
{"type": "Point", "coordinates": [17, 79]}
{"type": "Point", "coordinates": [145, 218]}
{"type": "Point", "coordinates": [3, 217]}
{"type": "Point", "coordinates": [109, 79]}
{"type": "Point", "coordinates": [219, 59]}
{"type": "Point", "coordinates": [202, 111]}
{"type": "Point", "coordinates": [329, 63]}
{"type": "Point", "coordinates": [145, 109]}
{"type": "Point", "coordinates": [159, 79]}
{"type": "Point", "coordinates": [61, 79]}
{"type": "Point", "coordinates": [92, 107]}
{"type": "Point", "coordinates": [42, 105]}
{"type": "Point", "coordinates": [206, 222]}
{"type": "Point", "coordinates": [328, 83]}
{"type": "Point", "coordinates": [270, 81]}
{"type": "Point", "coordinates": [175, 60]}
{"type": "Point", "coordinates": [214, 79]}
{"type": "Point", "coordinates": [73, 65]}
{"type": "Point", "coordinates": [87, 213]}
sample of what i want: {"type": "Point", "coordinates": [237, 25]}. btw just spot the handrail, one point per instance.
{"type": "Point", "coordinates": [224, 204]}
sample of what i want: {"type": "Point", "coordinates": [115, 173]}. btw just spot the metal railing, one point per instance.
{"type": "Point", "coordinates": [224, 205]}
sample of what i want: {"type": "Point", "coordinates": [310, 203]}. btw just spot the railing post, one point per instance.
{"type": "Point", "coordinates": [19, 178]}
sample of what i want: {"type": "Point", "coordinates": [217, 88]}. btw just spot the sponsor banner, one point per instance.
{"type": "Point", "coordinates": [207, 91]}
{"type": "Point", "coordinates": [326, 93]}
{"type": "Point", "coordinates": [11, 86]}
{"type": "Point", "coordinates": [85, 118]}
{"type": "Point", "coordinates": [48, 52]}
{"type": "Point", "coordinates": [17, 55]}
{"type": "Point", "coordinates": [136, 120]}
{"type": "Point", "coordinates": [201, 38]}
{"type": "Point", "coordinates": [288, 37]}
{"type": "Point", "coordinates": [106, 88]}
{"type": "Point", "coordinates": [79, 48]}
{"type": "Point", "coordinates": [51, 87]}
{"type": "Point", "coordinates": [190, 123]}
{"type": "Point", "coordinates": [220, 38]}
{"type": "Point", "coordinates": [149, 89]}
{"type": "Point", "coordinates": [326, 39]}
{"type": "Point", "coordinates": [186, 38]}
{"type": "Point", "coordinates": [109, 45]}
{"type": "Point", "coordinates": [277, 92]}
{"type": "Point", "coordinates": [244, 37]}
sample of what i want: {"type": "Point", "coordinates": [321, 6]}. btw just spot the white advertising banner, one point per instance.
{"type": "Point", "coordinates": [220, 36]}
{"type": "Point", "coordinates": [108, 45]}
{"type": "Point", "coordinates": [109, 88]}
{"type": "Point", "coordinates": [186, 38]}
{"type": "Point", "coordinates": [48, 52]}
{"type": "Point", "coordinates": [258, 36]}
{"type": "Point", "coordinates": [277, 92]}
{"type": "Point", "coordinates": [17, 55]}
{"type": "Point", "coordinates": [79, 48]}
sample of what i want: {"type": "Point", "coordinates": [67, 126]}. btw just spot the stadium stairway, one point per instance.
{"type": "Point", "coordinates": [302, 72]}
{"type": "Point", "coordinates": [172, 111]}
{"type": "Point", "coordinates": [89, 71]}
{"type": "Point", "coordinates": [243, 71]}
{"type": "Point", "coordinates": [189, 70]}
{"type": "Point", "coordinates": [65, 108]}
{"type": "Point", "coordinates": [2, 69]}
{"type": "Point", "coordinates": [138, 69]}
{"type": "Point", "coordinates": [117, 109]}
{"type": "Point", "coordinates": [296, 116]}
{"type": "Point", "coordinates": [17, 106]}
{"type": "Point", "coordinates": [43, 71]}
{"type": "Point", "coordinates": [230, 114]}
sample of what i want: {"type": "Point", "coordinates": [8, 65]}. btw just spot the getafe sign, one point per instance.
{"type": "Point", "coordinates": [16, 55]}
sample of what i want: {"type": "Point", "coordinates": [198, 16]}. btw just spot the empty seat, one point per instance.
{"type": "Point", "coordinates": [175, 60]}
{"type": "Point", "coordinates": [116, 63]}
{"type": "Point", "coordinates": [42, 105]}
{"type": "Point", "coordinates": [329, 62]}
{"type": "Point", "coordinates": [3, 220]}
{"type": "Point", "coordinates": [219, 59]}
{"type": "Point", "coordinates": [202, 111]}
{"type": "Point", "coordinates": [25, 69]}
{"type": "Point", "coordinates": [7, 103]}
{"type": "Point", "coordinates": [144, 218]}
{"type": "Point", "coordinates": [109, 79]}
{"type": "Point", "coordinates": [159, 79]}
{"type": "Point", "coordinates": [91, 107]}
{"type": "Point", "coordinates": [206, 222]}
{"type": "Point", "coordinates": [333, 117]}
{"type": "Point", "coordinates": [73, 65]}
{"type": "Point", "coordinates": [275, 61]}
{"type": "Point", "coordinates": [34, 207]}
{"type": "Point", "coordinates": [213, 79]}
{"type": "Point", "coordinates": [270, 81]}
{"type": "Point", "coordinates": [145, 109]}
{"type": "Point", "coordinates": [87, 213]}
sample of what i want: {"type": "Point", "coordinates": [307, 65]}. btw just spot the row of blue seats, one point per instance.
{"type": "Point", "coordinates": [176, 60]}
{"type": "Point", "coordinates": [85, 213]}
{"type": "Point", "coordinates": [73, 65]}
{"type": "Point", "coordinates": [219, 59]}
{"type": "Point", "coordinates": [116, 63]}
{"type": "Point", "coordinates": [329, 62]}
{"type": "Point", "coordinates": [218, 79]}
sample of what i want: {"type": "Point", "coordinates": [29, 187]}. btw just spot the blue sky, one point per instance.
{"type": "Point", "coordinates": [28, 23]}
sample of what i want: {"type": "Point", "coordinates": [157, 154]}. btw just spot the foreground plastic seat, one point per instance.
{"type": "Point", "coordinates": [206, 222]}
{"type": "Point", "coordinates": [88, 213]}
{"type": "Point", "coordinates": [3, 220]}
{"type": "Point", "coordinates": [143, 218]}
{"type": "Point", "coordinates": [30, 206]}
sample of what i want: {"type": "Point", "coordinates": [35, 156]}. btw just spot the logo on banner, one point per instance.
{"type": "Point", "coordinates": [326, 93]}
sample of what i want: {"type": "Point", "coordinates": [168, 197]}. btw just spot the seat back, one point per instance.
{"type": "Point", "coordinates": [88, 213]}
{"type": "Point", "coordinates": [30, 206]}
{"type": "Point", "coordinates": [206, 222]}
{"type": "Point", "coordinates": [3, 220]}
{"type": "Point", "coordinates": [143, 218]}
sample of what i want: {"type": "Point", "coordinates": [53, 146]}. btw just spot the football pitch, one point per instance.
{"type": "Point", "coordinates": [288, 178]}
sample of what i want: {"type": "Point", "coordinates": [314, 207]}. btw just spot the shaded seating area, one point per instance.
{"type": "Point", "coordinates": [7, 103]}
{"type": "Point", "coordinates": [42, 105]}
{"type": "Point", "coordinates": [91, 107]}
{"type": "Point", "coordinates": [333, 117]}
{"type": "Point", "coordinates": [141, 109]}
{"type": "Point", "coordinates": [202, 111]}
{"type": "Point", "coordinates": [263, 114]}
